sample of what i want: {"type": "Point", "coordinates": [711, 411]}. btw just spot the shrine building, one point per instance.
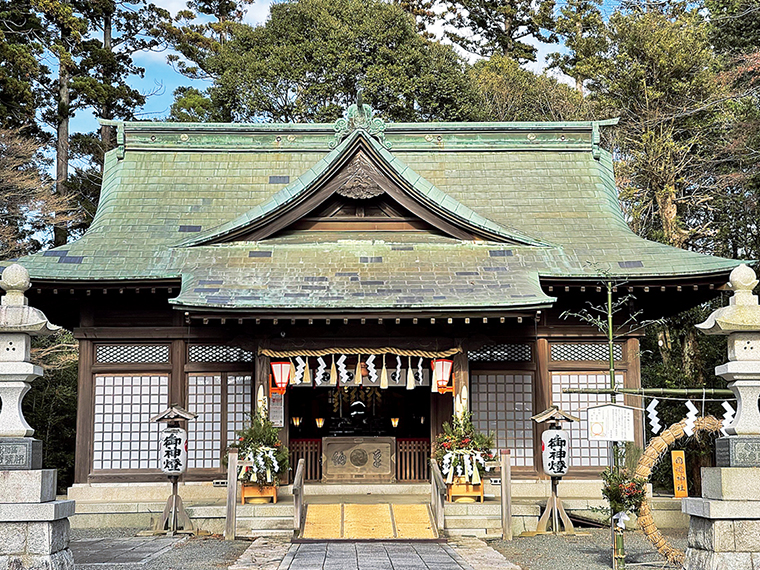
{"type": "Point", "coordinates": [220, 249]}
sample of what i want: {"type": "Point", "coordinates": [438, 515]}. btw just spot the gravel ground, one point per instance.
{"type": "Point", "coordinates": [202, 553]}
{"type": "Point", "coordinates": [592, 552]}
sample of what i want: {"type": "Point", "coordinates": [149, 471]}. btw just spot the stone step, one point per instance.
{"type": "Point", "coordinates": [265, 523]}
{"type": "Point", "coordinates": [483, 522]}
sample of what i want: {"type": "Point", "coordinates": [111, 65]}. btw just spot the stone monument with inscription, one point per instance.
{"type": "Point", "coordinates": [34, 526]}
{"type": "Point", "coordinates": [724, 528]}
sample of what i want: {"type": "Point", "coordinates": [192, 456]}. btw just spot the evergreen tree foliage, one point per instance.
{"type": "Point", "coordinates": [507, 92]}
{"type": "Point", "coordinates": [581, 27]}
{"type": "Point", "coordinates": [488, 27]}
{"type": "Point", "coordinates": [659, 78]}
{"type": "Point", "coordinates": [312, 57]}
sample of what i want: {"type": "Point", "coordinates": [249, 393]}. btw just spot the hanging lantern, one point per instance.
{"type": "Point", "coordinates": [441, 374]}
{"type": "Point", "coordinates": [281, 373]}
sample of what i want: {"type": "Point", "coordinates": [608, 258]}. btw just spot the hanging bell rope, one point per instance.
{"type": "Point", "coordinates": [359, 351]}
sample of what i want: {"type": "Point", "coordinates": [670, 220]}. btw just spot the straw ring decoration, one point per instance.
{"type": "Point", "coordinates": [652, 455]}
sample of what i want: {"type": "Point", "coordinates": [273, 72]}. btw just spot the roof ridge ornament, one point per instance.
{"type": "Point", "coordinates": [359, 116]}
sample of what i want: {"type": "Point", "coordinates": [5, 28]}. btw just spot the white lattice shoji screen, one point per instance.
{"type": "Point", "coordinates": [238, 404]}
{"type": "Point", "coordinates": [204, 398]}
{"type": "Point", "coordinates": [502, 405]}
{"type": "Point", "coordinates": [583, 453]}
{"type": "Point", "coordinates": [124, 437]}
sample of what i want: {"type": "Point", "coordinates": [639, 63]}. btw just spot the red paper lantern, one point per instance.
{"type": "Point", "coordinates": [442, 373]}
{"type": "Point", "coordinates": [281, 373]}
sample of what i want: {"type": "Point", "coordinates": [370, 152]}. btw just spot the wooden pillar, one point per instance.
{"type": "Point", "coordinates": [633, 380]}
{"type": "Point", "coordinates": [85, 407]}
{"type": "Point", "coordinates": [543, 398]}
{"type": "Point", "coordinates": [177, 390]}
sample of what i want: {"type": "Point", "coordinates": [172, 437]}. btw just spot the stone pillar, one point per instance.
{"type": "Point", "coordinates": [34, 527]}
{"type": "Point", "coordinates": [724, 528]}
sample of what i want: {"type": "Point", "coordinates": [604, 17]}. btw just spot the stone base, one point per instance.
{"type": "Point", "coordinates": [707, 560]}
{"type": "Point", "coordinates": [737, 451]}
{"type": "Point", "coordinates": [723, 544]}
{"type": "Point", "coordinates": [20, 453]}
{"type": "Point", "coordinates": [35, 545]}
{"type": "Point", "coordinates": [28, 486]}
{"type": "Point", "coordinates": [731, 483]}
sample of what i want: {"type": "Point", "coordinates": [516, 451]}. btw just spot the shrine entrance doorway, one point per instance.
{"type": "Point", "coordinates": [397, 419]}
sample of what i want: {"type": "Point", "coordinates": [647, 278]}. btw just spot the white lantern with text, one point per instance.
{"type": "Point", "coordinates": [555, 452]}
{"type": "Point", "coordinates": [173, 458]}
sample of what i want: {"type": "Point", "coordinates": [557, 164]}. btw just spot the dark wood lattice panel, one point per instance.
{"type": "Point", "coordinates": [218, 353]}
{"type": "Point", "coordinates": [584, 351]}
{"type": "Point", "coordinates": [131, 353]}
{"type": "Point", "coordinates": [502, 353]}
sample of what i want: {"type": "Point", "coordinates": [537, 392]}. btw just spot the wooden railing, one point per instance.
{"type": "Point", "coordinates": [412, 459]}
{"type": "Point", "coordinates": [298, 498]}
{"type": "Point", "coordinates": [310, 450]}
{"type": "Point", "coordinates": [437, 494]}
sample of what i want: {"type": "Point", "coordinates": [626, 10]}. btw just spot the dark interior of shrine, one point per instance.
{"type": "Point", "coordinates": [359, 411]}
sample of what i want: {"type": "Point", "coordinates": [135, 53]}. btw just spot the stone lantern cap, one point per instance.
{"type": "Point", "coordinates": [743, 312]}
{"type": "Point", "coordinates": [16, 316]}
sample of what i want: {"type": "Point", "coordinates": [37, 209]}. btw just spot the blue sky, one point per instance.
{"type": "Point", "coordinates": [161, 79]}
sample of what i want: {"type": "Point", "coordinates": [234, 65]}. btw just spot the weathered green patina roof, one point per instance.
{"type": "Point", "coordinates": [543, 194]}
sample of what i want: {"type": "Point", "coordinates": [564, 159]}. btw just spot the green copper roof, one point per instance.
{"type": "Point", "coordinates": [544, 192]}
{"type": "Point", "coordinates": [414, 184]}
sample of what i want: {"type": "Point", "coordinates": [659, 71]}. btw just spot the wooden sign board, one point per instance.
{"type": "Point", "coordinates": [610, 422]}
{"type": "Point", "coordinates": [680, 486]}
{"type": "Point", "coordinates": [277, 410]}
{"type": "Point", "coordinates": [370, 459]}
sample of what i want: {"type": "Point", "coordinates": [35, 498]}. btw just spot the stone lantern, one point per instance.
{"type": "Point", "coordinates": [724, 528]}
{"type": "Point", "coordinates": [34, 526]}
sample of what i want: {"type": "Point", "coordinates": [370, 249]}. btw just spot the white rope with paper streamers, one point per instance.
{"type": "Point", "coordinates": [371, 370]}
{"type": "Point", "coordinates": [691, 417]}
{"type": "Point", "coordinates": [321, 370]}
{"type": "Point", "coordinates": [342, 372]}
{"type": "Point", "coordinates": [470, 471]}
{"type": "Point", "coordinates": [728, 417]}
{"type": "Point", "coordinates": [419, 372]}
{"type": "Point", "coordinates": [300, 367]}
{"type": "Point", "coordinates": [654, 420]}
{"type": "Point", "coordinates": [398, 369]}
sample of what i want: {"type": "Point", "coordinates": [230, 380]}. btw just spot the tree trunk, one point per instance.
{"type": "Point", "coordinates": [60, 230]}
{"type": "Point", "coordinates": [106, 131]}
{"type": "Point", "coordinates": [668, 213]}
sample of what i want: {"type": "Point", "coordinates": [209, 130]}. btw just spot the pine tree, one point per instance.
{"type": "Point", "coordinates": [583, 32]}
{"type": "Point", "coordinates": [487, 27]}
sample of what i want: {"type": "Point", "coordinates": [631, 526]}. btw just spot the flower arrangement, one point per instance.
{"type": "Point", "coordinates": [623, 493]}
{"type": "Point", "coordinates": [461, 451]}
{"type": "Point", "coordinates": [260, 445]}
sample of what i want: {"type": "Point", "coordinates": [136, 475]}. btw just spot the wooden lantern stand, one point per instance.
{"type": "Point", "coordinates": [174, 519]}
{"type": "Point", "coordinates": [554, 512]}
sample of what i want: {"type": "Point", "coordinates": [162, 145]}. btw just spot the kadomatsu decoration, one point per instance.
{"type": "Point", "coordinates": [260, 445]}
{"type": "Point", "coordinates": [461, 451]}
